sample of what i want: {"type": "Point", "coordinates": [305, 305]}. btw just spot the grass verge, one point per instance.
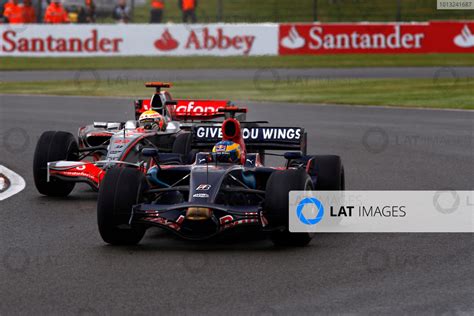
{"type": "Point", "coordinates": [441, 93]}
{"type": "Point", "coordinates": [204, 62]}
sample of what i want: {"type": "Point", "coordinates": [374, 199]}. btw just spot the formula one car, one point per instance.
{"type": "Point", "coordinates": [200, 200]}
{"type": "Point", "coordinates": [60, 161]}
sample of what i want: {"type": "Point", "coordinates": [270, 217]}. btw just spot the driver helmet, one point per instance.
{"type": "Point", "coordinates": [152, 120]}
{"type": "Point", "coordinates": [226, 151]}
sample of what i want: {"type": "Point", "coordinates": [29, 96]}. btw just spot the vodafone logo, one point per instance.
{"type": "Point", "coordinates": [465, 39]}
{"type": "Point", "coordinates": [196, 109]}
{"type": "Point", "coordinates": [167, 42]}
{"type": "Point", "coordinates": [293, 40]}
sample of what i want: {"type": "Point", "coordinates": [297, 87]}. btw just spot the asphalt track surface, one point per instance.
{"type": "Point", "coordinates": [53, 261]}
{"type": "Point", "coordinates": [242, 74]}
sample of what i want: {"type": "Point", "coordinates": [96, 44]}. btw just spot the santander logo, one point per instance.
{"type": "Point", "coordinates": [465, 39]}
{"type": "Point", "coordinates": [166, 42]}
{"type": "Point", "coordinates": [293, 40]}
{"type": "Point", "coordinates": [324, 38]}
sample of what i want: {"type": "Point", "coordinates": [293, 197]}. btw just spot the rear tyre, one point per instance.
{"type": "Point", "coordinates": [120, 189]}
{"type": "Point", "coordinates": [329, 173]}
{"type": "Point", "coordinates": [53, 146]}
{"type": "Point", "coordinates": [278, 187]}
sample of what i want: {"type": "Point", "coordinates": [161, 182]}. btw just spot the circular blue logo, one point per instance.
{"type": "Point", "coordinates": [310, 221]}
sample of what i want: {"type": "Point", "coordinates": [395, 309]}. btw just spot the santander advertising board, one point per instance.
{"type": "Point", "coordinates": [366, 38]}
{"type": "Point", "coordinates": [139, 40]}
{"type": "Point", "coordinates": [351, 38]}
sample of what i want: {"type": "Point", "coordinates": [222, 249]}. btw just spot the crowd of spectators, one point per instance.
{"type": "Point", "coordinates": [14, 12]}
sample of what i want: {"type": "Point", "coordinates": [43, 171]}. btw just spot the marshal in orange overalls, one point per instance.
{"type": "Point", "coordinates": [29, 14]}
{"type": "Point", "coordinates": [55, 13]}
{"type": "Point", "coordinates": [156, 12]}
{"type": "Point", "coordinates": [189, 10]}
{"type": "Point", "coordinates": [14, 12]}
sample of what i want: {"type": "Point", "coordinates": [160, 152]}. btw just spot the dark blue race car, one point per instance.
{"type": "Point", "coordinates": [200, 200]}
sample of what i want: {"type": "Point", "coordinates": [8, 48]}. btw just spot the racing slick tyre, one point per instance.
{"type": "Point", "coordinates": [53, 146]}
{"type": "Point", "coordinates": [121, 188]}
{"type": "Point", "coordinates": [278, 187]}
{"type": "Point", "coordinates": [329, 172]}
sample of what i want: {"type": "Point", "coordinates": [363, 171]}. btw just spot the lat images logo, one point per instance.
{"type": "Point", "coordinates": [465, 39]}
{"type": "Point", "coordinates": [166, 42]}
{"type": "Point", "coordinates": [293, 40]}
{"type": "Point", "coordinates": [316, 203]}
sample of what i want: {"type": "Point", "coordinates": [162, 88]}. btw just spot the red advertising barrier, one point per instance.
{"type": "Point", "coordinates": [49, 40]}
{"type": "Point", "coordinates": [366, 38]}
{"type": "Point", "coordinates": [451, 37]}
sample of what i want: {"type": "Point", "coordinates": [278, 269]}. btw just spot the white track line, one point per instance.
{"type": "Point", "coordinates": [17, 184]}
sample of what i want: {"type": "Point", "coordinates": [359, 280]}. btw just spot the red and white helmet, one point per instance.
{"type": "Point", "coordinates": [152, 120]}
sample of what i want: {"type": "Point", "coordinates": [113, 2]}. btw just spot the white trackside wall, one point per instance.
{"type": "Point", "coordinates": [139, 40]}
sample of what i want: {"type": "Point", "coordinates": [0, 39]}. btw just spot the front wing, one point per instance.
{"type": "Point", "coordinates": [175, 218]}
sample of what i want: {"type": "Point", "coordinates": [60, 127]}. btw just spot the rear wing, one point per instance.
{"type": "Point", "coordinates": [186, 110]}
{"type": "Point", "coordinates": [255, 137]}
{"type": "Point", "coordinates": [141, 106]}
{"type": "Point", "coordinates": [190, 110]}
{"type": "Point", "coordinates": [158, 85]}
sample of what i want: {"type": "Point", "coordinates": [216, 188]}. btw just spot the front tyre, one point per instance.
{"type": "Point", "coordinates": [278, 188]}
{"type": "Point", "coordinates": [120, 189]}
{"type": "Point", "coordinates": [53, 146]}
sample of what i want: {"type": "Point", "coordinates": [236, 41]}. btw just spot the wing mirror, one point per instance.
{"type": "Point", "coordinates": [291, 155]}
{"type": "Point", "coordinates": [150, 152]}
{"type": "Point", "coordinates": [100, 125]}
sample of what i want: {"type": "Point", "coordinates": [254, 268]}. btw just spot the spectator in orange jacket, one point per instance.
{"type": "Point", "coordinates": [13, 12]}
{"type": "Point", "coordinates": [55, 13]}
{"type": "Point", "coordinates": [156, 12]}
{"type": "Point", "coordinates": [188, 7]}
{"type": "Point", "coordinates": [29, 14]}
{"type": "Point", "coordinates": [8, 4]}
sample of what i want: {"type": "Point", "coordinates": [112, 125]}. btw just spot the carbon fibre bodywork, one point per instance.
{"type": "Point", "coordinates": [207, 198]}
